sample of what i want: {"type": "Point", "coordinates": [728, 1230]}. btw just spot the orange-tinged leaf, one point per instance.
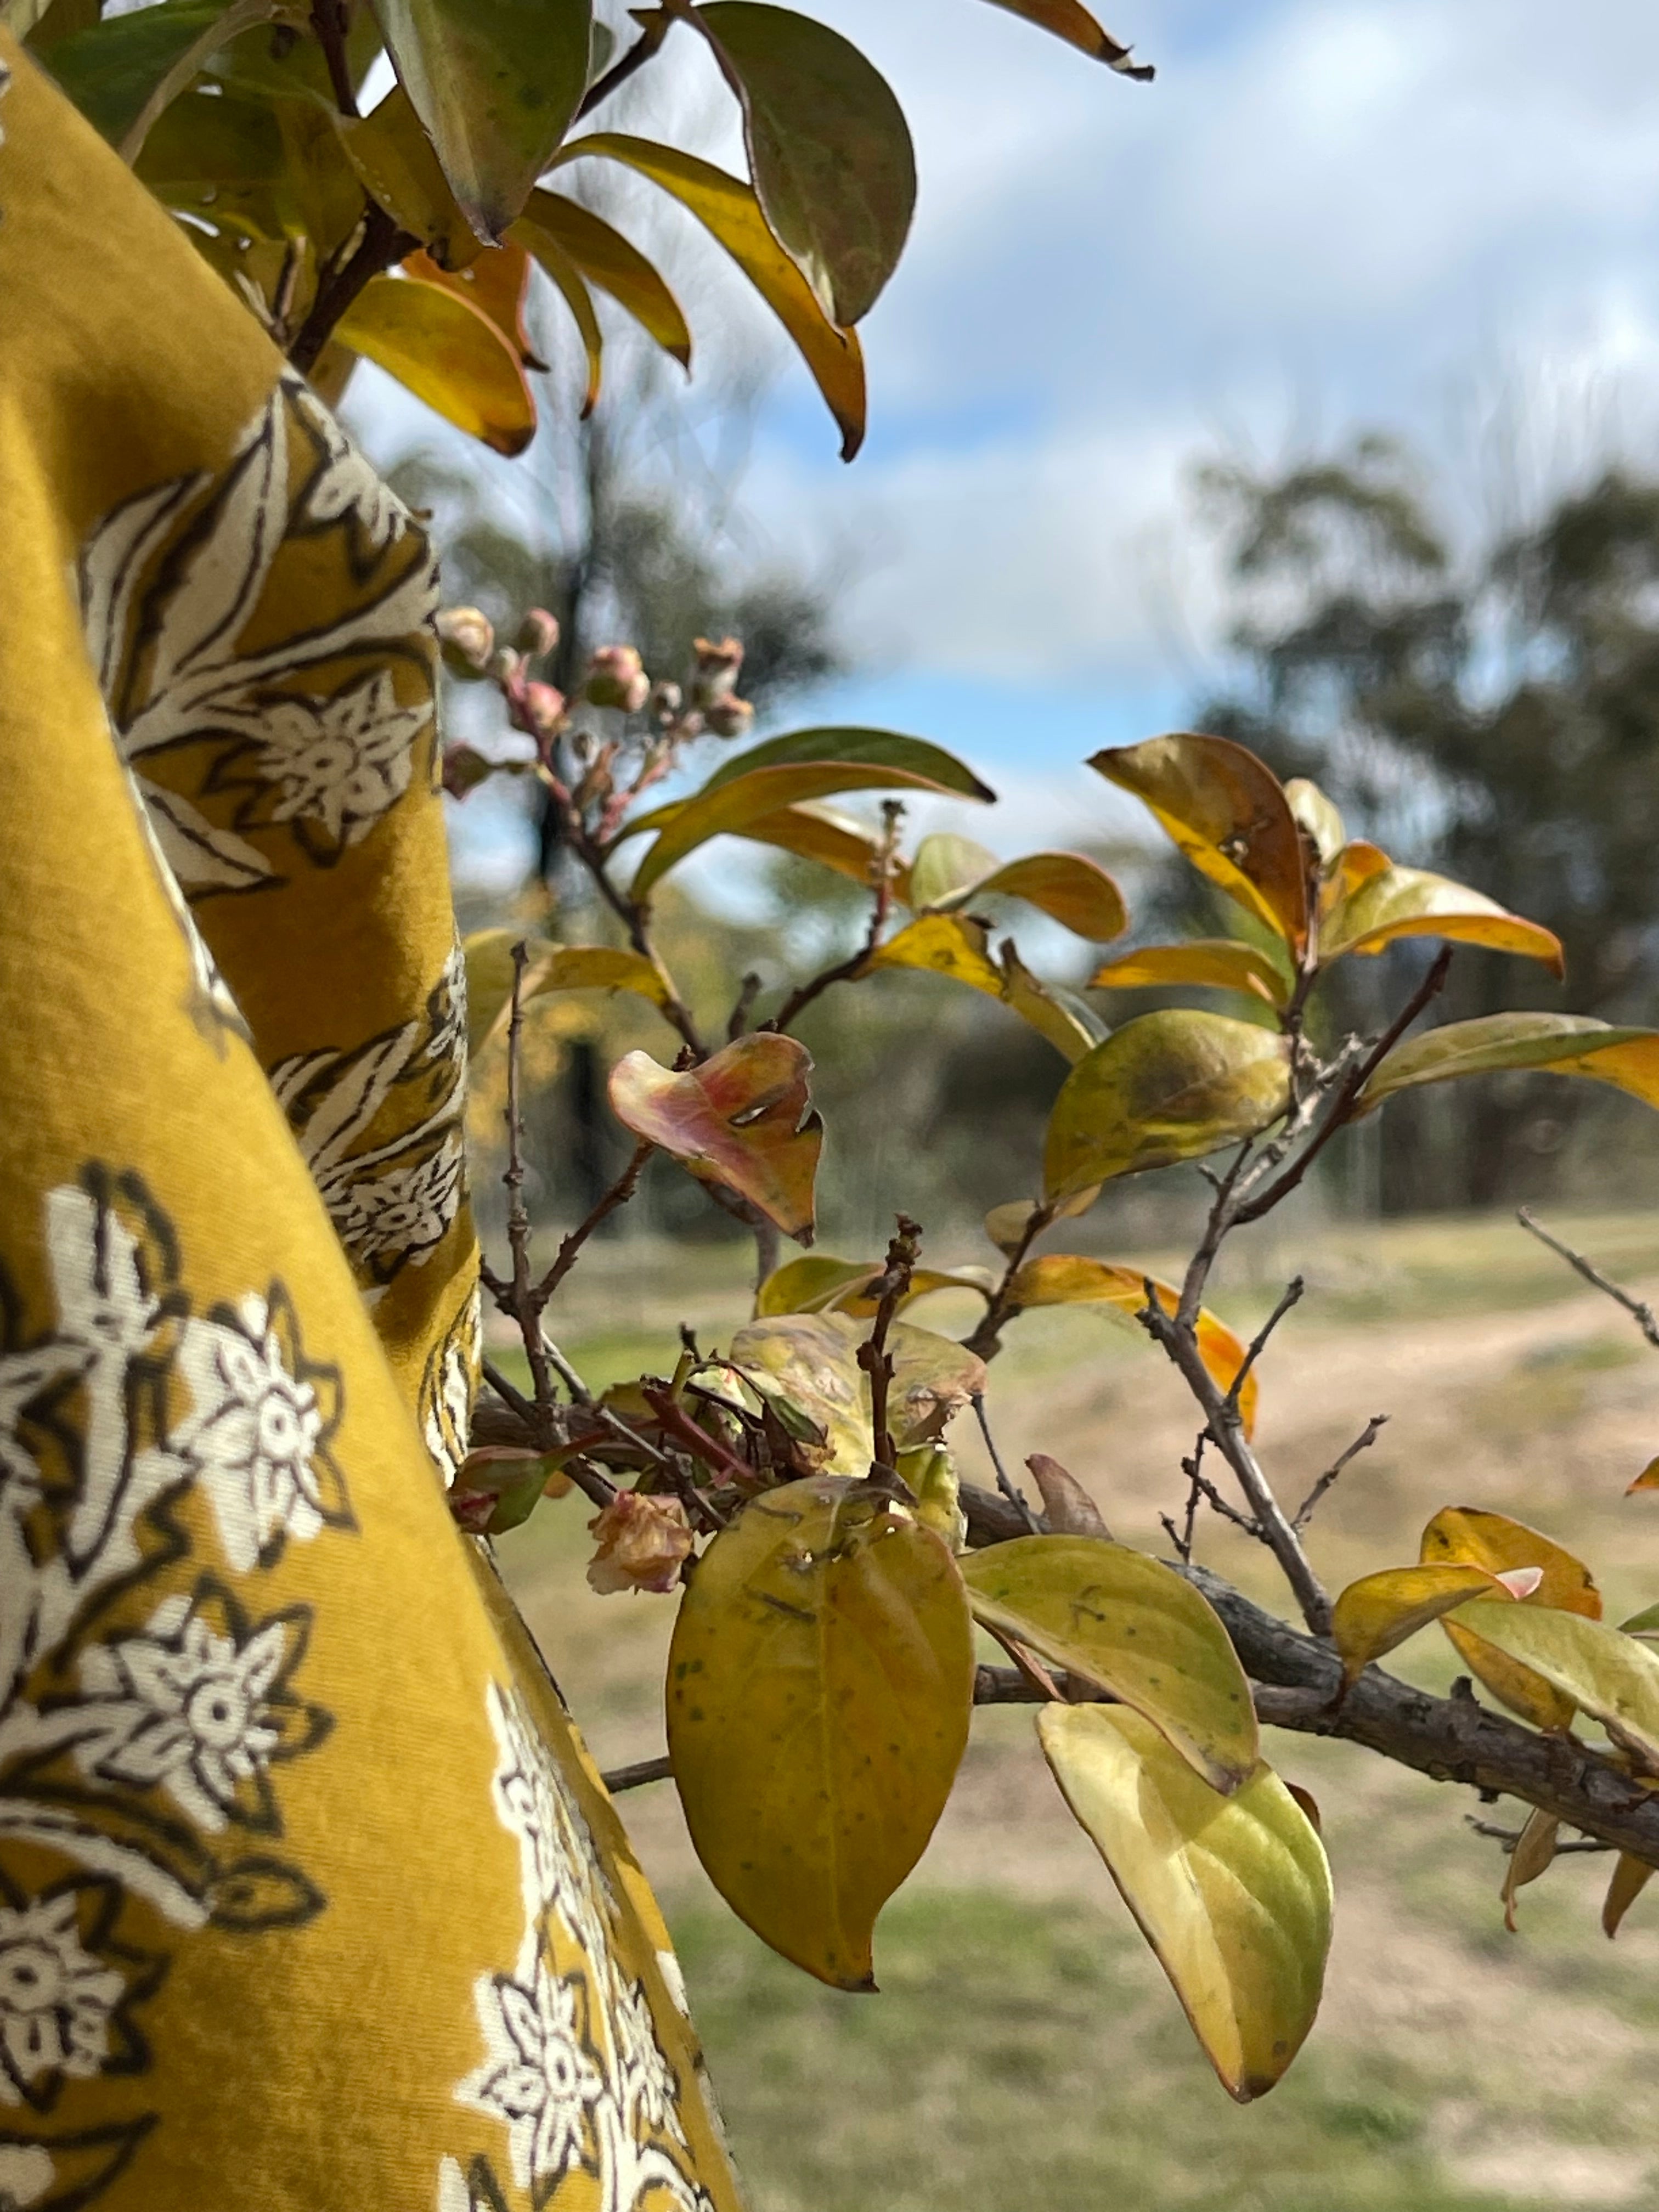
{"type": "Point", "coordinates": [441, 348]}
{"type": "Point", "coordinates": [1069, 887]}
{"type": "Point", "coordinates": [820, 1684]}
{"type": "Point", "coordinates": [1393, 903]}
{"type": "Point", "coordinates": [1134, 1626]}
{"type": "Point", "coordinates": [1531, 1855]}
{"type": "Point", "coordinates": [1630, 1878]}
{"type": "Point", "coordinates": [1555, 1044]}
{"type": "Point", "coordinates": [728, 207]}
{"type": "Point", "coordinates": [1468, 1534]}
{"type": "Point", "coordinates": [958, 946]}
{"type": "Point", "coordinates": [1613, 1677]}
{"type": "Point", "coordinates": [826, 834]}
{"type": "Point", "coordinates": [496, 282]}
{"type": "Point", "coordinates": [743, 1119]}
{"type": "Point", "coordinates": [1648, 1478]}
{"type": "Point", "coordinates": [608, 259]}
{"type": "Point", "coordinates": [1070, 21]}
{"type": "Point", "coordinates": [1382, 1610]}
{"type": "Point", "coordinates": [1227, 811]}
{"type": "Point", "coordinates": [1167, 1086]}
{"type": "Point", "coordinates": [1066, 1278]}
{"type": "Point", "coordinates": [1218, 964]}
{"type": "Point", "coordinates": [1233, 1893]}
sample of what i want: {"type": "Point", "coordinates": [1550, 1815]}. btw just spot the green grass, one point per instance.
{"type": "Point", "coordinates": [1016, 2061]}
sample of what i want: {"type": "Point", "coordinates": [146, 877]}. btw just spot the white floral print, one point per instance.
{"type": "Point", "coordinates": [406, 1210]}
{"type": "Point", "coordinates": [446, 1388]}
{"type": "Point", "coordinates": [27, 2174]}
{"type": "Point", "coordinates": [340, 762]}
{"type": "Point", "coordinates": [539, 2077]}
{"type": "Point", "coordinates": [56, 1997]}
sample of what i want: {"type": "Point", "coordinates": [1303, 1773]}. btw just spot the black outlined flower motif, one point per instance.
{"type": "Point", "coordinates": [65, 1985]}
{"type": "Point", "coordinates": [406, 1210]}
{"type": "Point", "coordinates": [338, 763]}
{"type": "Point", "coordinates": [539, 2076]}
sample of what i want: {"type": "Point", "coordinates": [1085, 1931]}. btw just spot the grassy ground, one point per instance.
{"type": "Point", "coordinates": [1025, 2054]}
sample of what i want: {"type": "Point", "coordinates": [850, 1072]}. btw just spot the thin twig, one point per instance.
{"type": "Point", "coordinates": [888, 1290]}
{"type": "Point", "coordinates": [748, 991]}
{"type": "Point", "coordinates": [843, 970]}
{"type": "Point", "coordinates": [619, 1194]}
{"type": "Point", "coordinates": [643, 1770]}
{"type": "Point", "coordinates": [1363, 1442]}
{"type": "Point", "coordinates": [382, 244]}
{"type": "Point", "coordinates": [1293, 1290]}
{"type": "Point", "coordinates": [596, 1487]}
{"type": "Point", "coordinates": [1004, 1482]}
{"type": "Point", "coordinates": [1640, 1313]}
{"type": "Point", "coordinates": [1031, 1667]}
{"type": "Point", "coordinates": [985, 1342]}
{"type": "Point", "coordinates": [330, 21]}
{"type": "Point", "coordinates": [1511, 1837]}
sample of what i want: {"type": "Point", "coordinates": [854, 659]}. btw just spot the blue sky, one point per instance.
{"type": "Point", "coordinates": [1438, 216]}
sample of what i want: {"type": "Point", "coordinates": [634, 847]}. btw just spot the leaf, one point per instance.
{"type": "Point", "coordinates": [1166, 1086]}
{"type": "Point", "coordinates": [1380, 1611]}
{"type": "Point", "coordinates": [1134, 1626]}
{"type": "Point", "coordinates": [1394, 902]}
{"type": "Point", "coordinates": [1233, 1893]}
{"type": "Point", "coordinates": [122, 73]}
{"type": "Point", "coordinates": [949, 872]}
{"type": "Point", "coordinates": [548, 968]}
{"type": "Point", "coordinates": [863, 760]}
{"type": "Point", "coordinates": [819, 1688]}
{"type": "Point", "coordinates": [1228, 813]}
{"type": "Point", "coordinates": [882, 748]}
{"type": "Point", "coordinates": [1557, 1044]}
{"type": "Point", "coordinates": [829, 148]}
{"type": "Point", "coordinates": [1648, 1478]}
{"type": "Point", "coordinates": [572, 288]}
{"type": "Point", "coordinates": [396, 166]}
{"type": "Point", "coordinates": [743, 1120]}
{"type": "Point", "coordinates": [1066, 1504]}
{"type": "Point", "coordinates": [825, 834]}
{"type": "Point", "coordinates": [607, 258]}
{"type": "Point", "coordinates": [497, 282]}
{"type": "Point", "coordinates": [812, 1360]}
{"type": "Point", "coordinates": [1069, 1025]}
{"type": "Point", "coordinates": [1614, 1678]}
{"type": "Point", "coordinates": [1631, 1876]}
{"type": "Point", "coordinates": [443, 350]}
{"type": "Point", "coordinates": [924, 1281]}
{"type": "Point", "coordinates": [1066, 1278]}
{"type": "Point", "coordinates": [1315, 814]}
{"type": "Point", "coordinates": [1531, 1855]}
{"type": "Point", "coordinates": [1006, 1224]}
{"type": "Point", "coordinates": [954, 945]}
{"type": "Point", "coordinates": [811, 1284]}
{"type": "Point", "coordinates": [728, 207]}
{"type": "Point", "coordinates": [1467, 1533]}
{"type": "Point", "coordinates": [496, 84]}
{"type": "Point", "coordinates": [1069, 20]}
{"type": "Point", "coordinates": [1219, 963]}
{"type": "Point", "coordinates": [1646, 1622]}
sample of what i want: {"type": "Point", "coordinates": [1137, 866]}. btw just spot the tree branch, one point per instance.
{"type": "Point", "coordinates": [619, 1194]}
{"type": "Point", "coordinates": [382, 244]}
{"type": "Point", "coordinates": [1363, 1442]}
{"type": "Point", "coordinates": [1640, 1313]}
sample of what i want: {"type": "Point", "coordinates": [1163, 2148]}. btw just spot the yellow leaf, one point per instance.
{"type": "Point", "coordinates": [548, 968]}
{"type": "Point", "coordinates": [397, 168]}
{"type": "Point", "coordinates": [956, 946]}
{"type": "Point", "coordinates": [1070, 21]}
{"type": "Point", "coordinates": [1134, 1626]}
{"type": "Point", "coordinates": [728, 209]}
{"type": "Point", "coordinates": [1556, 1044]}
{"type": "Point", "coordinates": [496, 282]}
{"type": "Point", "coordinates": [819, 1688]}
{"type": "Point", "coordinates": [607, 258]}
{"type": "Point", "coordinates": [1166, 1086]}
{"type": "Point", "coordinates": [826, 835]}
{"type": "Point", "coordinates": [1492, 1540]}
{"type": "Point", "coordinates": [1219, 963]}
{"type": "Point", "coordinates": [857, 1300]}
{"type": "Point", "coordinates": [443, 350]}
{"type": "Point", "coordinates": [811, 1358]}
{"type": "Point", "coordinates": [1531, 1855]}
{"type": "Point", "coordinates": [572, 289]}
{"type": "Point", "coordinates": [1318, 816]}
{"type": "Point", "coordinates": [811, 1284]}
{"type": "Point", "coordinates": [1233, 1893]}
{"type": "Point", "coordinates": [1393, 903]}
{"type": "Point", "coordinates": [948, 871]}
{"type": "Point", "coordinates": [1630, 1877]}
{"type": "Point", "coordinates": [741, 1119]}
{"type": "Point", "coordinates": [1227, 811]}
{"type": "Point", "coordinates": [1006, 1224]}
{"type": "Point", "coordinates": [1066, 1278]}
{"type": "Point", "coordinates": [1380, 1611]}
{"type": "Point", "coordinates": [1613, 1676]}
{"type": "Point", "coordinates": [1066, 1023]}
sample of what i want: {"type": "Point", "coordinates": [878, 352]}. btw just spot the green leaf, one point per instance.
{"type": "Point", "coordinates": [439, 347]}
{"type": "Point", "coordinates": [395, 164]}
{"type": "Point", "coordinates": [946, 865]}
{"type": "Point", "coordinates": [829, 148]}
{"type": "Point", "coordinates": [572, 289]}
{"type": "Point", "coordinates": [741, 1119]}
{"type": "Point", "coordinates": [754, 790]}
{"type": "Point", "coordinates": [607, 258]}
{"type": "Point", "coordinates": [1395, 902]}
{"type": "Point", "coordinates": [1219, 963]}
{"type": "Point", "coordinates": [496, 83]}
{"type": "Point", "coordinates": [728, 207]}
{"type": "Point", "coordinates": [122, 73]}
{"type": "Point", "coordinates": [1233, 1893]}
{"type": "Point", "coordinates": [1135, 1627]}
{"type": "Point", "coordinates": [883, 748]}
{"type": "Point", "coordinates": [1066, 1279]}
{"type": "Point", "coordinates": [1613, 1676]}
{"type": "Point", "coordinates": [820, 1684]}
{"type": "Point", "coordinates": [1166, 1086]}
{"type": "Point", "coordinates": [1226, 810]}
{"type": "Point", "coordinates": [1556, 1044]}
{"type": "Point", "coordinates": [1469, 1534]}
{"type": "Point", "coordinates": [1068, 20]}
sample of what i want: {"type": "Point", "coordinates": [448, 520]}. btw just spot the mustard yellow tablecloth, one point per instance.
{"type": "Point", "coordinates": [309, 1898]}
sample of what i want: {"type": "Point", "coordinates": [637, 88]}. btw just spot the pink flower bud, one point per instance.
{"type": "Point", "coordinates": [467, 639]}
{"type": "Point", "coordinates": [728, 718]}
{"type": "Point", "coordinates": [616, 678]}
{"type": "Point", "coordinates": [539, 633]}
{"type": "Point", "coordinates": [716, 673]}
{"type": "Point", "coordinates": [666, 700]}
{"type": "Point", "coordinates": [543, 707]}
{"type": "Point", "coordinates": [642, 1542]}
